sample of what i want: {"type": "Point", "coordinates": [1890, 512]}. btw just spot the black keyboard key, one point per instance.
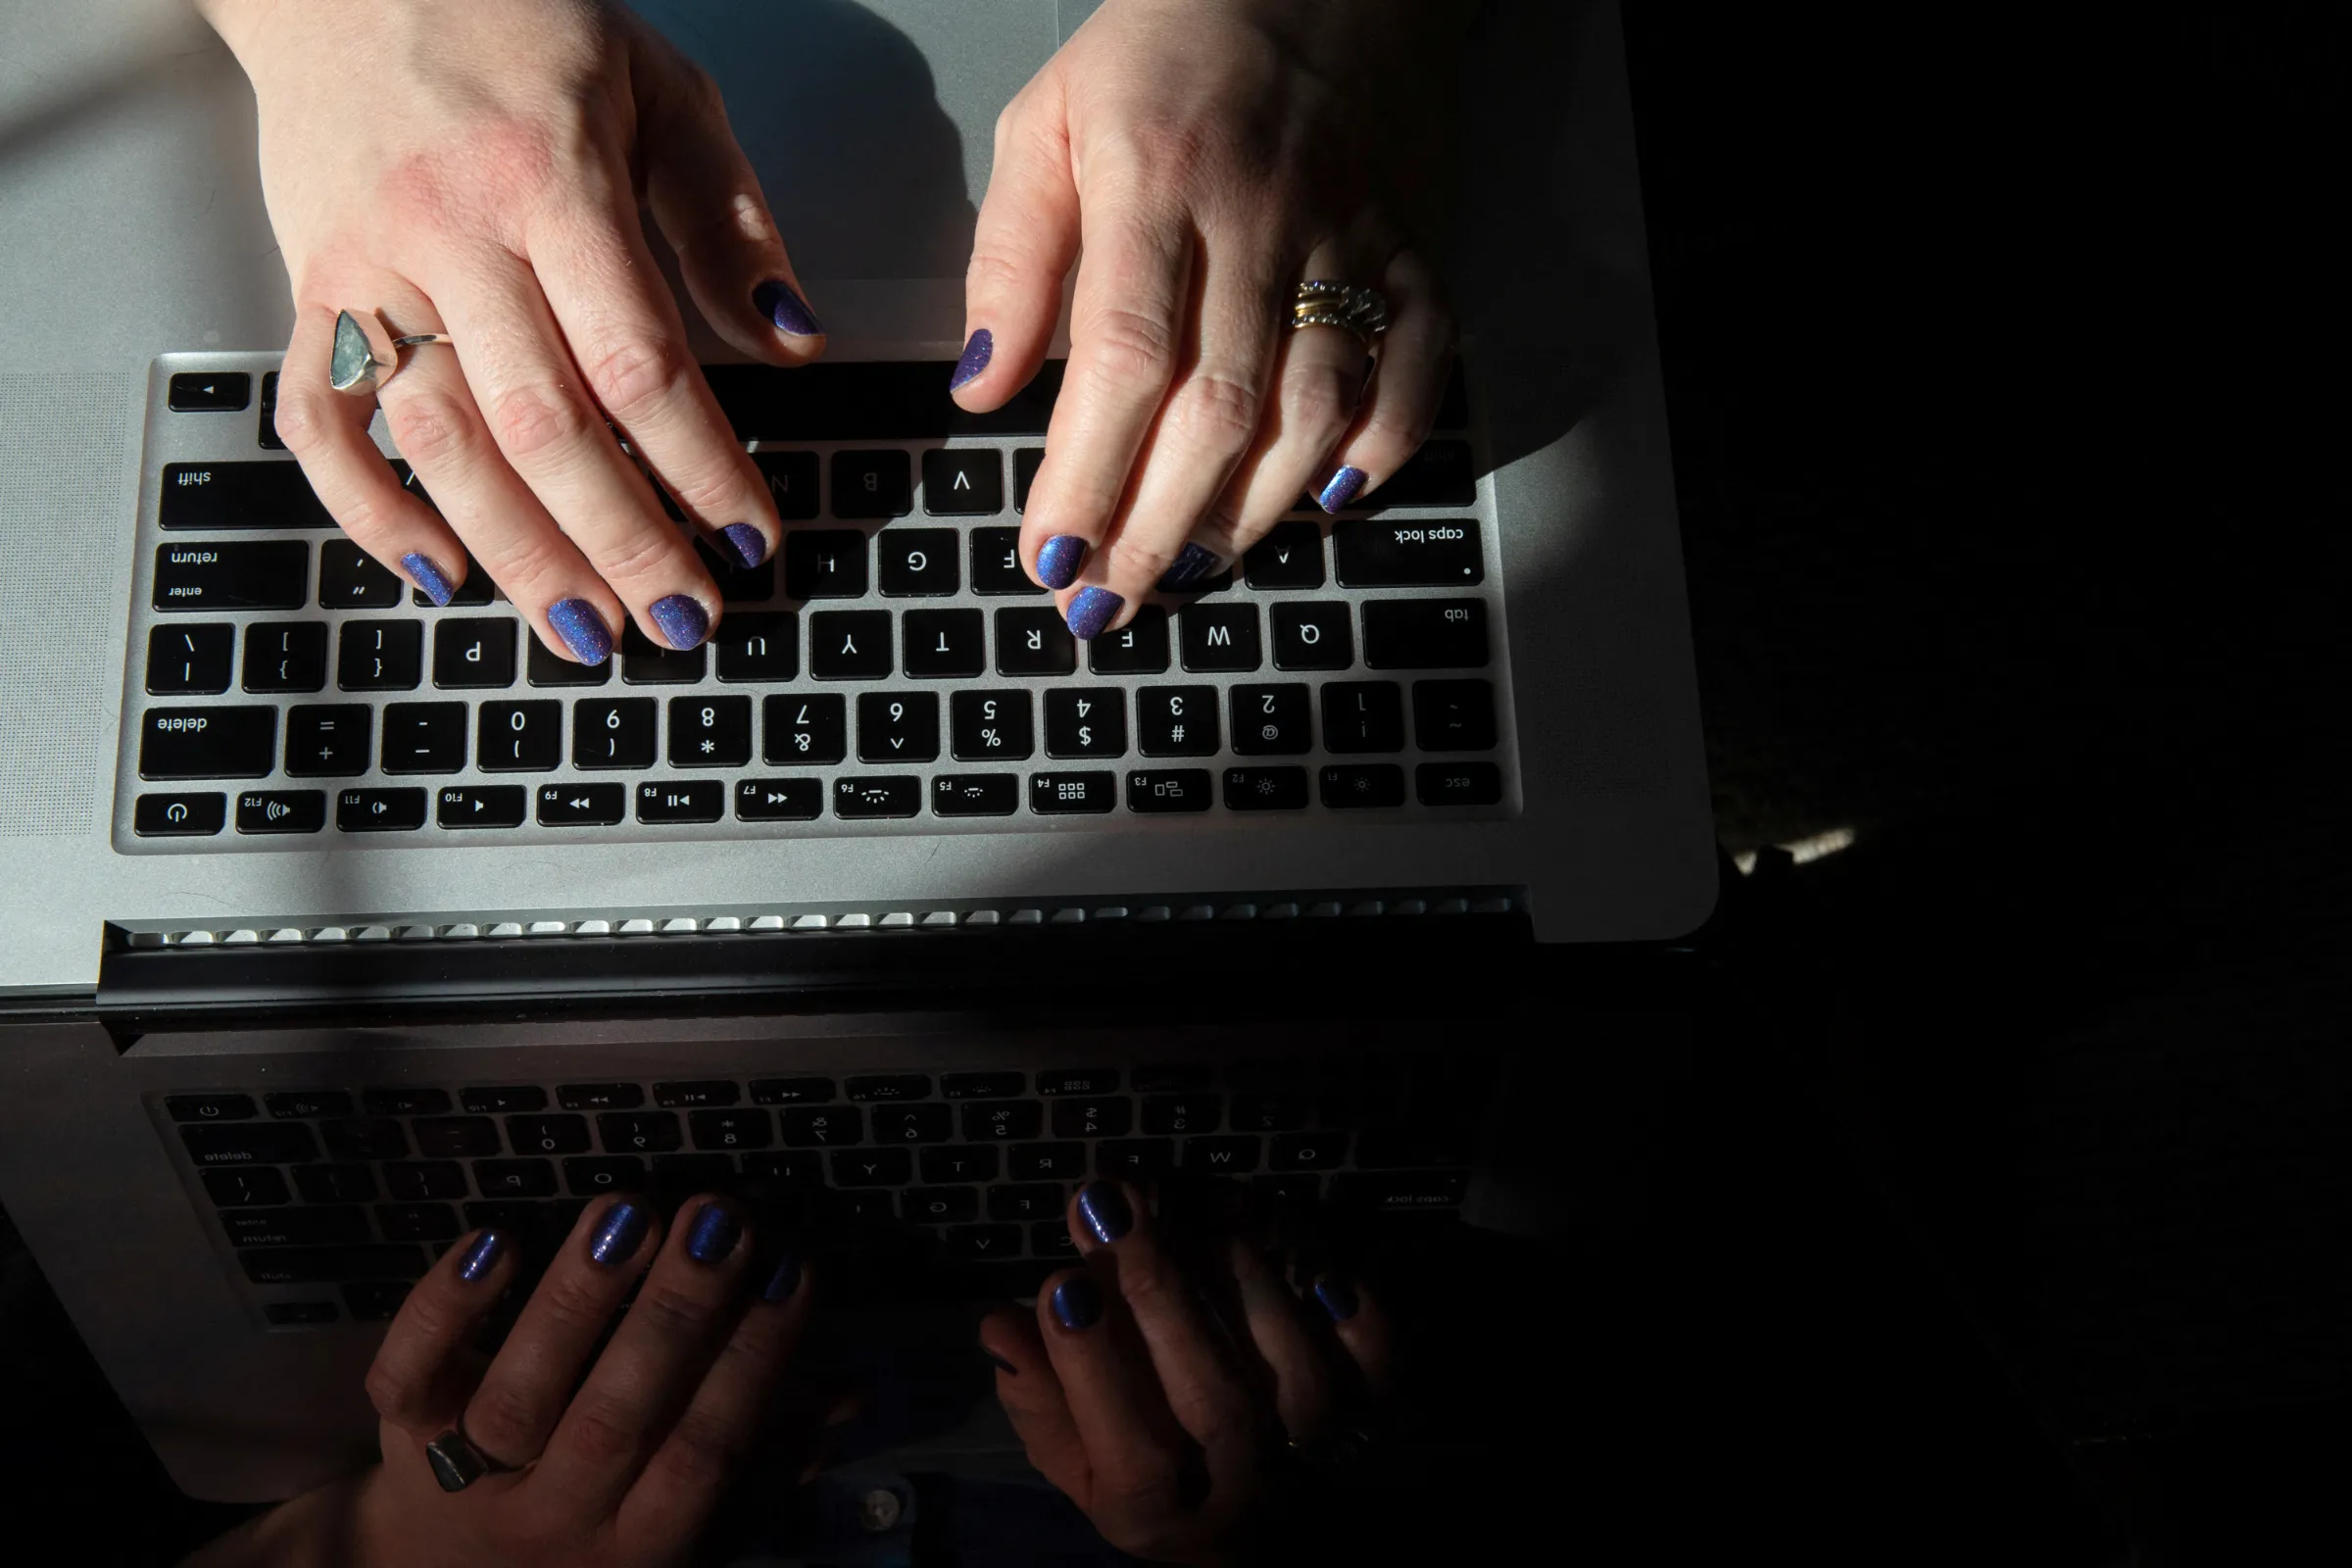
{"type": "Point", "coordinates": [295, 1104]}
{"type": "Point", "coordinates": [1086, 721]}
{"type": "Point", "coordinates": [455, 1136]}
{"type": "Point", "coordinates": [964, 483]}
{"type": "Point", "coordinates": [1388, 1193]}
{"type": "Point", "coordinates": [779, 1175]}
{"type": "Point", "coordinates": [1003, 1121]}
{"type": "Point", "coordinates": [695, 1093]}
{"type": "Point", "coordinates": [581, 805]}
{"type": "Point", "coordinates": [824, 564]}
{"type": "Point", "coordinates": [335, 1183]}
{"type": "Point", "coordinates": [1192, 1111]}
{"type": "Point", "coordinates": [872, 484]}
{"type": "Point", "coordinates": [791, 1091]}
{"type": "Point", "coordinates": [737, 584]}
{"type": "Point", "coordinates": [1425, 634]}
{"type": "Point", "coordinates": [208, 742]}
{"type": "Point", "coordinates": [982, 1085]}
{"type": "Point", "coordinates": [519, 737]}
{"type": "Point", "coordinates": [190, 660]}
{"type": "Point", "coordinates": [1271, 720]}
{"type": "Point", "coordinates": [1135, 1159]}
{"type": "Point", "coordinates": [1046, 1162]}
{"type": "Point", "coordinates": [1035, 641]}
{"type": "Point", "coordinates": [381, 656]}
{"type": "Point", "coordinates": [515, 1178]}
{"type": "Point", "coordinates": [543, 667]}
{"type": "Point", "coordinates": [319, 1266]}
{"type": "Point", "coordinates": [330, 741]}
{"type": "Point", "coordinates": [586, 1175]}
{"type": "Point", "coordinates": [778, 799]}
{"type": "Point", "coordinates": [1457, 783]}
{"type": "Point", "coordinates": [1361, 785]}
{"type": "Point", "coordinates": [521, 1096]}
{"type": "Point", "coordinates": [301, 1315]}
{"type": "Point", "coordinates": [640, 1132]}
{"type": "Point", "coordinates": [1297, 1193]}
{"type": "Point", "coordinates": [209, 392]}
{"type": "Point", "coordinates": [1290, 556]}
{"type": "Point", "coordinates": [1158, 1077]}
{"type": "Point", "coordinates": [1453, 715]}
{"type": "Point", "coordinates": [1170, 789]}
{"type": "Point", "coordinates": [710, 731]}
{"type": "Point", "coordinates": [646, 662]}
{"type": "Point", "coordinates": [945, 643]}
{"type": "Point", "coordinates": [1388, 553]}
{"type": "Point", "coordinates": [899, 1086]}
{"type": "Point", "coordinates": [1274, 1111]}
{"type": "Point", "coordinates": [997, 563]}
{"type": "Point", "coordinates": [350, 578]}
{"type": "Point", "coordinates": [474, 653]}
{"type": "Point", "coordinates": [866, 800]}
{"type": "Point", "coordinates": [548, 1135]}
{"type": "Point", "coordinates": [976, 793]}
{"type": "Point", "coordinates": [179, 815]}
{"type": "Point", "coordinates": [811, 730]}
{"type": "Point", "coordinates": [732, 1130]}
{"type": "Point", "coordinates": [912, 1124]}
{"type": "Point", "coordinates": [991, 726]}
{"type": "Point", "coordinates": [239, 574]}
{"type": "Point", "coordinates": [810, 1126]}
{"type": "Point", "coordinates": [404, 1102]}
{"type": "Point", "coordinates": [1078, 1081]}
{"type": "Point", "coordinates": [918, 563]}
{"type": "Point", "coordinates": [791, 482]}
{"type": "Point", "coordinates": [1177, 720]}
{"type": "Point", "coordinates": [678, 1177]}
{"type": "Point", "coordinates": [280, 810]}
{"type": "Point", "coordinates": [758, 646]}
{"type": "Point", "coordinates": [613, 732]}
{"type": "Point", "coordinates": [966, 1243]}
{"type": "Point", "coordinates": [364, 1137]}
{"type": "Point", "coordinates": [424, 737]}
{"type": "Point", "coordinates": [939, 1205]}
{"type": "Point", "coordinates": [211, 1107]}
{"type": "Point", "coordinates": [1071, 794]}
{"type": "Point", "coordinates": [1048, 1238]}
{"type": "Point", "coordinates": [599, 1097]}
{"type": "Point", "coordinates": [957, 1162]}
{"type": "Point", "coordinates": [1031, 1200]}
{"type": "Point", "coordinates": [871, 1167]}
{"type": "Point", "coordinates": [317, 1225]}
{"type": "Point", "coordinates": [239, 495]}
{"type": "Point", "coordinates": [1220, 637]}
{"type": "Point", "coordinates": [1440, 475]}
{"type": "Point", "coordinates": [1139, 648]}
{"type": "Point", "coordinates": [898, 726]}
{"type": "Point", "coordinates": [1026, 460]}
{"type": "Point", "coordinates": [417, 1222]}
{"type": "Point", "coordinates": [285, 656]}
{"type": "Point", "coordinates": [1265, 789]}
{"type": "Point", "coordinates": [1222, 1156]}
{"type": "Point", "coordinates": [849, 645]}
{"type": "Point", "coordinates": [1311, 636]}
{"type": "Point", "coordinates": [1093, 1118]}
{"type": "Point", "coordinates": [1364, 715]}
{"type": "Point", "coordinates": [379, 810]}
{"type": "Point", "coordinates": [1323, 1150]}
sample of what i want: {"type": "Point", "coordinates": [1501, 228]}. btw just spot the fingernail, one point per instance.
{"type": "Point", "coordinates": [1077, 1303]}
{"type": "Point", "coordinates": [482, 1256]}
{"type": "Point", "coordinates": [1338, 1298]}
{"type": "Point", "coordinates": [616, 1239]}
{"type": "Point", "coordinates": [429, 577]}
{"type": "Point", "coordinates": [1190, 568]}
{"type": "Point", "coordinates": [1092, 611]}
{"type": "Point", "coordinates": [749, 543]}
{"type": "Point", "coordinates": [683, 620]}
{"type": "Point", "coordinates": [975, 359]}
{"type": "Point", "coordinates": [1059, 559]}
{"type": "Point", "coordinates": [775, 300]}
{"type": "Point", "coordinates": [1001, 1363]}
{"type": "Point", "coordinates": [713, 1234]}
{"type": "Point", "coordinates": [1341, 489]}
{"type": "Point", "coordinates": [784, 1280]}
{"type": "Point", "coordinates": [1104, 1209]}
{"type": "Point", "coordinates": [582, 629]}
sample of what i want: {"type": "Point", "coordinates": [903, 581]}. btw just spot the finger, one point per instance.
{"type": "Point", "coordinates": [417, 1380]}
{"type": "Point", "coordinates": [1364, 1326]}
{"type": "Point", "coordinates": [1032, 1395]}
{"type": "Point", "coordinates": [531, 1377]}
{"type": "Point", "coordinates": [687, 1474]}
{"type": "Point", "coordinates": [659, 1356]}
{"type": "Point", "coordinates": [429, 411]}
{"type": "Point", "coordinates": [1023, 247]}
{"type": "Point", "coordinates": [1129, 307]}
{"type": "Point", "coordinates": [1135, 1453]}
{"type": "Point", "coordinates": [539, 413]}
{"type": "Point", "coordinates": [1295, 1352]}
{"type": "Point", "coordinates": [1407, 386]}
{"type": "Point", "coordinates": [706, 201]}
{"type": "Point", "coordinates": [630, 344]}
{"type": "Point", "coordinates": [327, 432]}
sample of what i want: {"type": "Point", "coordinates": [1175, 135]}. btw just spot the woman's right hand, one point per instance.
{"type": "Point", "coordinates": [474, 167]}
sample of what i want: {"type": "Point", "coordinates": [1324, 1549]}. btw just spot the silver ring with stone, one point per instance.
{"type": "Point", "coordinates": [456, 1463]}
{"type": "Point", "coordinates": [367, 354]}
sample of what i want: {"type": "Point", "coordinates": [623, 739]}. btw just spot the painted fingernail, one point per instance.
{"type": "Point", "coordinates": [683, 620]}
{"type": "Point", "coordinates": [1077, 1303]}
{"type": "Point", "coordinates": [1190, 568]}
{"type": "Point", "coordinates": [429, 577]}
{"type": "Point", "coordinates": [582, 629]}
{"type": "Point", "coordinates": [775, 300]}
{"type": "Point", "coordinates": [616, 1239]}
{"type": "Point", "coordinates": [1059, 559]}
{"type": "Point", "coordinates": [1092, 611]}
{"type": "Point", "coordinates": [749, 543]}
{"type": "Point", "coordinates": [713, 1236]}
{"type": "Point", "coordinates": [784, 1280]}
{"type": "Point", "coordinates": [1003, 1364]}
{"type": "Point", "coordinates": [1338, 1298]}
{"type": "Point", "coordinates": [482, 1256]}
{"type": "Point", "coordinates": [976, 354]}
{"type": "Point", "coordinates": [1342, 488]}
{"type": "Point", "coordinates": [1104, 1209]}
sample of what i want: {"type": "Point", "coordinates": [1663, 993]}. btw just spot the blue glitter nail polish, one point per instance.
{"type": "Point", "coordinates": [1092, 611]}
{"type": "Point", "coordinates": [431, 578]}
{"type": "Point", "coordinates": [976, 355]}
{"type": "Point", "coordinates": [784, 1280]}
{"type": "Point", "coordinates": [748, 543]}
{"type": "Point", "coordinates": [1059, 559]}
{"type": "Point", "coordinates": [713, 1235]}
{"type": "Point", "coordinates": [616, 1239]}
{"type": "Point", "coordinates": [788, 313]}
{"type": "Point", "coordinates": [582, 629]}
{"type": "Point", "coordinates": [1104, 1209]}
{"type": "Point", "coordinates": [1077, 1303]}
{"type": "Point", "coordinates": [1338, 1298]}
{"type": "Point", "coordinates": [1190, 566]}
{"type": "Point", "coordinates": [683, 620]}
{"type": "Point", "coordinates": [1342, 488]}
{"type": "Point", "coordinates": [482, 1256]}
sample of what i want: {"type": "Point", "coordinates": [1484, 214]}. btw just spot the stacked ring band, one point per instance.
{"type": "Point", "coordinates": [1321, 302]}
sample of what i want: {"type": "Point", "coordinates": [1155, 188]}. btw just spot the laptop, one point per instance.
{"type": "Point", "coordinates": [332, 923]}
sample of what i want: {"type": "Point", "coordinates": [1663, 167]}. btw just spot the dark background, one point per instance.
{"type": "Point", "coordinates": [2003, 1213]}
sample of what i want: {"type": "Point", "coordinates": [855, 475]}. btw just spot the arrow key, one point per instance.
{"type": "Point", "coordinates": [209, 392]}
{"type": "Point", "coordinates": [581, 805]}
{"type": "Point", "coordinates": [480, 805]}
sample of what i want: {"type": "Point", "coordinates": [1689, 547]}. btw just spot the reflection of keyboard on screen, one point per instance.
{"type": "Point", "coordinates": [892, 665]}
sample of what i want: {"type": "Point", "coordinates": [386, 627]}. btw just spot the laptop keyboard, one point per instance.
{"type": "Point", "coordinates": [953, 1185]}
{"type": "Point", "coordinates": [891, 669]}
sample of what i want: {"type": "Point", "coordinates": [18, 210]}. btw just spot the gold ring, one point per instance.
{"type": "Point", "coordinates": [366, 354]}
{"type": "Point", "coordinates": [1322, 302]}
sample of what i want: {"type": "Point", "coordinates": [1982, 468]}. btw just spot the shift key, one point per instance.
{"type": "Point", "coordinates": [208, 742]}
{"type": "Point", "coordinates": [233, 575]}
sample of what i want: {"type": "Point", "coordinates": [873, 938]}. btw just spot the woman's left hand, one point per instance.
{"type": "Point", "coordinates": [1209, 156]}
